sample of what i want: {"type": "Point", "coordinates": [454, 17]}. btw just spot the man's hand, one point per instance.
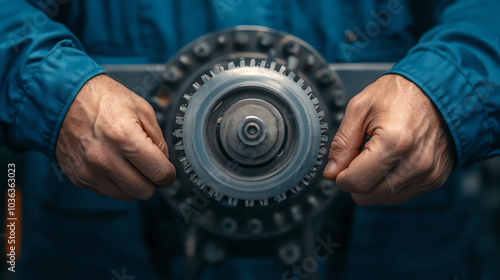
{"type": "Point", "coordinates": [408, 153]}
{"type": "Point", "coordinates": [111, 143]}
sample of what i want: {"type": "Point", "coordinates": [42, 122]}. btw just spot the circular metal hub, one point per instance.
{"type": "Point", "coordinates": [248, 132]}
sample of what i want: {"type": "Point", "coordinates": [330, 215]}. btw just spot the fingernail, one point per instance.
{"type": "Point", "coordinates": [330, 167]}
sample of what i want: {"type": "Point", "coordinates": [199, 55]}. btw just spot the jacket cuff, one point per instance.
{"type": "Point", "coordinates": [48, 94]}
{"type": "Point", "coordinates": [454, 95]}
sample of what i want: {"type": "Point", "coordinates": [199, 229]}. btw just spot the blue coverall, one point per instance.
{"type": "Point", "coordinates": [49, 49]}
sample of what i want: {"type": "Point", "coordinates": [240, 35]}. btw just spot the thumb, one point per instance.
{"type": "Point", "coordinates": [347, 141]}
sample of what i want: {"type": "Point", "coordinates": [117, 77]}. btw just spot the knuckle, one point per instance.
{"type": "Point", "coordinates": [400, 140]}
{"type": "Point", "coordinates": [163, 146]}
{"type": "Point", "coordinates": [425, 163]}
{"type": "Point", "coordinates": [96, 157]}
{"type": "Point", "coordinates": [340, 142]}
{"type": "Point", "coordinates": [352, 186]}
{"type": "Point", "coordinates": [355, 104]}
{"type": "Point", "coordinates": [118, 133]}
{"type": "Point", "coordinates": [86, 176]}
{"type": "Point", "coordinates": [146, 106]}
{"type": "Point", "coordinates": [160, 175]}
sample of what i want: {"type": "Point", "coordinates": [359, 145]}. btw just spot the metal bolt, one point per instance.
{"type": "Point", "coordinates": [255, 226]}
{"type": "Point", "coordinates": [266, 41]}
{"type": "Point", "coordinates": [172, 75]}
{"type": "Point", "coordinates": [229, 225]}
{"type": "Point", "coordinates": [241, 39]}
{"type": "Point", "coordinates": [289, 254]}
{"type": "Point", "coordinates": [221, 40]}
{"type": "Point", "coordinates": [202, 50]}
{"type": "Point", "coordinates": [292, 48]}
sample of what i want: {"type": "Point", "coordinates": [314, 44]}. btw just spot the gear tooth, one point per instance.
{"type": "Point", "coordinates": [319, 162]}
{"type": "Point", "coordinates": [242, 62]}
{"type": "Point", "coordinates": [282, 70]}
{"type": "Point", "coordinates": [188, 168]}
{"type": "Point", "coordinates": [179, 120]}
{"type": "Point", "coordinates": [291, 75]}
{"type": "Point", "coordinates": [280, 197]}
{"type": "Point", "coordinates": [178, 133]}
{"type": "Point", "coordinates": [272, 66]}
{"type": "Point", "coordinates": [183, 109]}
{"type": "Point", "coordinates": [218, 196]}
{"type": "Point", "coordinates": [232, 200]}
{"type": "Point", "coordinates": [231, 65]}
{"type": "Point", "coordinates": [305, 182]}
{"type": "Point", "coordinates": [179, 146]}
{"type": "Point", "coordinates": [323, 125]}
{"type": "Point", "coordinates": [312, 174]}
{"type": "Point", "coordinates": [200, 183]}
{"type": "Point", "coordinates": [193, 178]}
{"type": "Point", "coordinates": [264, 202]}
{"type": "Point", "coordinates": [249, 203]}
{"type": "Point", "coordinates": [315, 101]}
{"type": "Point", "coordinates": [221, 68]}
{"type": "Point", "coordinates": [324, 138]}
{"type": "Point", "coordinates": [296, 189]}
{"type": "Point", "coordinates": [211, 192]}
{"type": "Point", "coordinates": [205, 78]}
{"type": "Point", "coordinates": [314, 169]}
{"type": "Point", "coordinates": [321, 114]}
{"type": "Point", "coordinates": [215, 71]}
{"type": "Point", "coordinates": [308, 91]}
{"type": "Point", "coordinates": [187, 97]}
{"type": "Point", "coordinates": [196, 86]}
{"type": "Point", "coordinates": [183, 160]}
{"type": "Point", "coordinates": [263, 63]}
{"type": "Point", "coordinates": [322, 151]}
{"type": "Point", "coordinates": [300, 82]}
{"type": "Point", "coordinates": [252, 62]}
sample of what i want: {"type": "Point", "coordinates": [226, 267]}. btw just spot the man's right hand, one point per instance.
{"type": "Point", "coordinates": [111, 143]}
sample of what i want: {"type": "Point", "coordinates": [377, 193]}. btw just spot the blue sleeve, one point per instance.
{"type": "Point", "coordinates": [42, 68]}
{"type": "Point", "coordinates": [457, 64]}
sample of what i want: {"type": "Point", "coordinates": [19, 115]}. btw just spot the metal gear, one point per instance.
{"type": "Point", "coordinates": [261, 119]}
{"type": "Point", "coordinates": [252, 131]}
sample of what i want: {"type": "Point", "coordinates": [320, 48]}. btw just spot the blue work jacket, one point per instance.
{"type": "Point", "coordinates": [49, 49]}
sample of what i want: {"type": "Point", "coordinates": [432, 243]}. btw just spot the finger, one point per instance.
{"type": "Point", "coordinates": [149, 159]}
{"type": "Point", "coordinates": [107, 187]}
{"type": "Point", "coordinates": [402, 175]}
{"type": "Point", "coordinates": [152, 128]}
{"type": "Point", "coordinates": [130, 179]}
{"type": "Point", "coordinates": [346, 142]}
{"type": "Point", "coordinates": [104, 187]}
{"type": "Point", "coordinates": [368, 168]}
